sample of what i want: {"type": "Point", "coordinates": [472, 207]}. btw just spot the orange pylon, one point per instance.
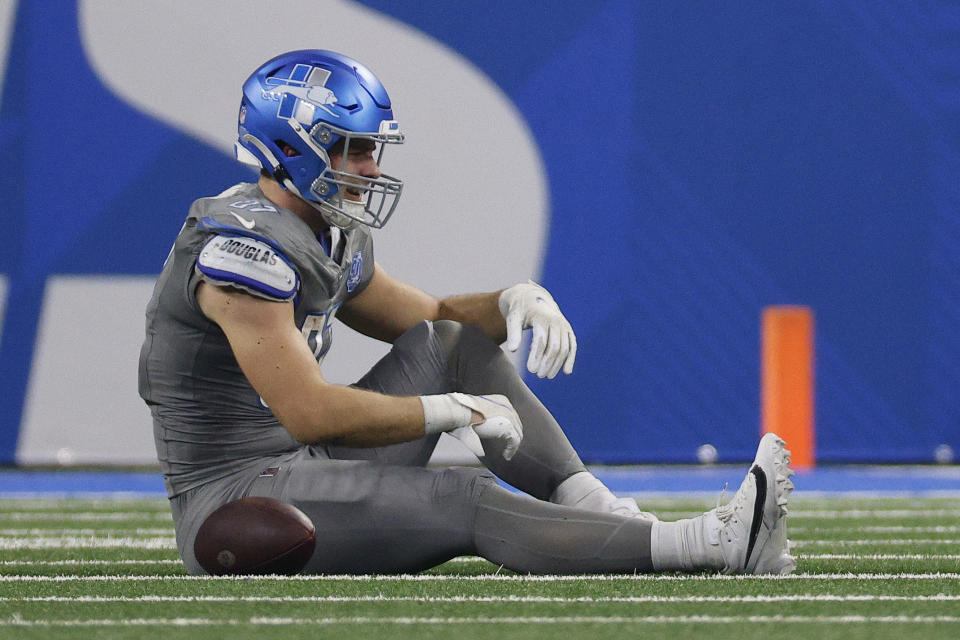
{"type": "Point", "coordinates": [786, 388]}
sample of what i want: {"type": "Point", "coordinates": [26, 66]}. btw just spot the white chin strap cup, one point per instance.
{"type": "Point", "coordinates": [336, 218]}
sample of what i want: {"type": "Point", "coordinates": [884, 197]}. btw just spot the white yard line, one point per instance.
{"type": "Point", "coordinates": [868, 542]}
{"type": "Point", "coordinates": [53, 514]}
{"type": "Point", "coordinates": [878, 556]}
{"type": "Point", "coordinates": [164, 516]}
{"type": "Point", "coordinates": [101, 497]}
{"type": "Point", "coordinates": [52, 501]}
{"type": "Point", "coordinates": [156, 531]}
{"type": "Point", "coordinates": [83, 563]}
{"type": "Point", "coordinates": [86, 516]}
{"type": "Point", "coordinates": [874, 513]}
{"type": "Point", "coordinates": [17, 621]}
{"type": "Point", "coordinates": [801, 494]}
{"type": "Point", "coordinates": [430, 577]}
{"type": "Point", "coordinates": [891, 529]}
{"type": "Point", "coordinates": [462, 560]}
{"type": "Point", "coordinates": [92, 541]}
{"type": "Point", "coordinates": [491, 599]}
{"type": "Point", "coordinates": [837, 514]}
{"type": "Point", "coordinates": [87, 542]}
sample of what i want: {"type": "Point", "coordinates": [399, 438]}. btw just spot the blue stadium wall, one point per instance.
{"type": "Point", "coordinates": [701, 161]}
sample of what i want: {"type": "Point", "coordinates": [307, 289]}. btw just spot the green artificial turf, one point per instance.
{"type": "Point", "coordinates": [868, 568]}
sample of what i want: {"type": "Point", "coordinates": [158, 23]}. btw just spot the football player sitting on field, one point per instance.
{"type": "Point", "coordinates": [241, 318]}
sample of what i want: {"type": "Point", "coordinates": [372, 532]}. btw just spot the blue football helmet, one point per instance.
{"type": "Point", "coordinates": [313, 101]}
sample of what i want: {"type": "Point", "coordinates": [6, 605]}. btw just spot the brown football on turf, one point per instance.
{"type": "Point", "coordinates": [255, 536]}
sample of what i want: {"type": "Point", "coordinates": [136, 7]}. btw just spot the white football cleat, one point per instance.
{"type": "Point", "coordinates": [753, 527]}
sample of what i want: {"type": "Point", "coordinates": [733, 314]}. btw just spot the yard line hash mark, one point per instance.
{"type": "Point", "coordinates": [17, 621]}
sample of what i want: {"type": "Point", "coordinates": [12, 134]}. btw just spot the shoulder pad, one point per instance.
{"type": "Point", "coordinates": [250, 264]}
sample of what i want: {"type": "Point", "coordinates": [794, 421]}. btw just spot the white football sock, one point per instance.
{"type": "Point", "coordinates": [692, 544]}
{"type": "Point", "coordinates": [584, 491]}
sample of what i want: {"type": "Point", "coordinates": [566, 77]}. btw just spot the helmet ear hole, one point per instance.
{"type": "Point", "coordinates": [287, 150]}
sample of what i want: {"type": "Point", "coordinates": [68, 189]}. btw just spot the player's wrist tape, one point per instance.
{"type": "Point", "coordinates": [443, 413]}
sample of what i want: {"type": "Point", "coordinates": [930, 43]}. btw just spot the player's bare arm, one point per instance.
{"type": "Point", "coordinates": [279, 364]}
{"type": "Point", "coordinates": [478, 309]}
{"type": "Point", "coordinates": [388, 307]}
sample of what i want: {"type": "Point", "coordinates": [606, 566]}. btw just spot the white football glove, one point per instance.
{"type": "Point", "coordinates": [500, 422]}
{"type": "Point", "coordinates": [529, 306]}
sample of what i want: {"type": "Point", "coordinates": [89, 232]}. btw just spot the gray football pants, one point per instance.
{"type": "Point", "coordinates": [380, 510]}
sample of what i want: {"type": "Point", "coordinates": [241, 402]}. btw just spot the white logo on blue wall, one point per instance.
{"type": "Point", "coordinates": [302, 94]}
{"type": "Point", "coordinates": [356, 270]}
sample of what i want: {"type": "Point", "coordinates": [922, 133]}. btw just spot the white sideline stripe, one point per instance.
{"type": "Point", "coordinates": [17, 621]}
{"type": "Point", "coordinates": [488, 577]}
{"type": "Point", "coordinates": [940, 597]}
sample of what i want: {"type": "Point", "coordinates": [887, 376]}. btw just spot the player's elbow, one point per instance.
{"type": "Point", "coordinates": [337, 414]}
{"type": "Point", "coordinates": [301, 403]}
{"type": "Point", "coordinates": [319, 420]}
{"type": "Point", "coordinates": [308, 427]}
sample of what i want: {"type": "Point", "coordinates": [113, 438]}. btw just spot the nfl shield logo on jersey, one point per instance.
{"type": "Point", "coordinates": [356, 270]}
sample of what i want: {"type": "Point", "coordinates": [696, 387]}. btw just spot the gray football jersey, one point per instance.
{"type": "Point", "coordinates": [208, 420]}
